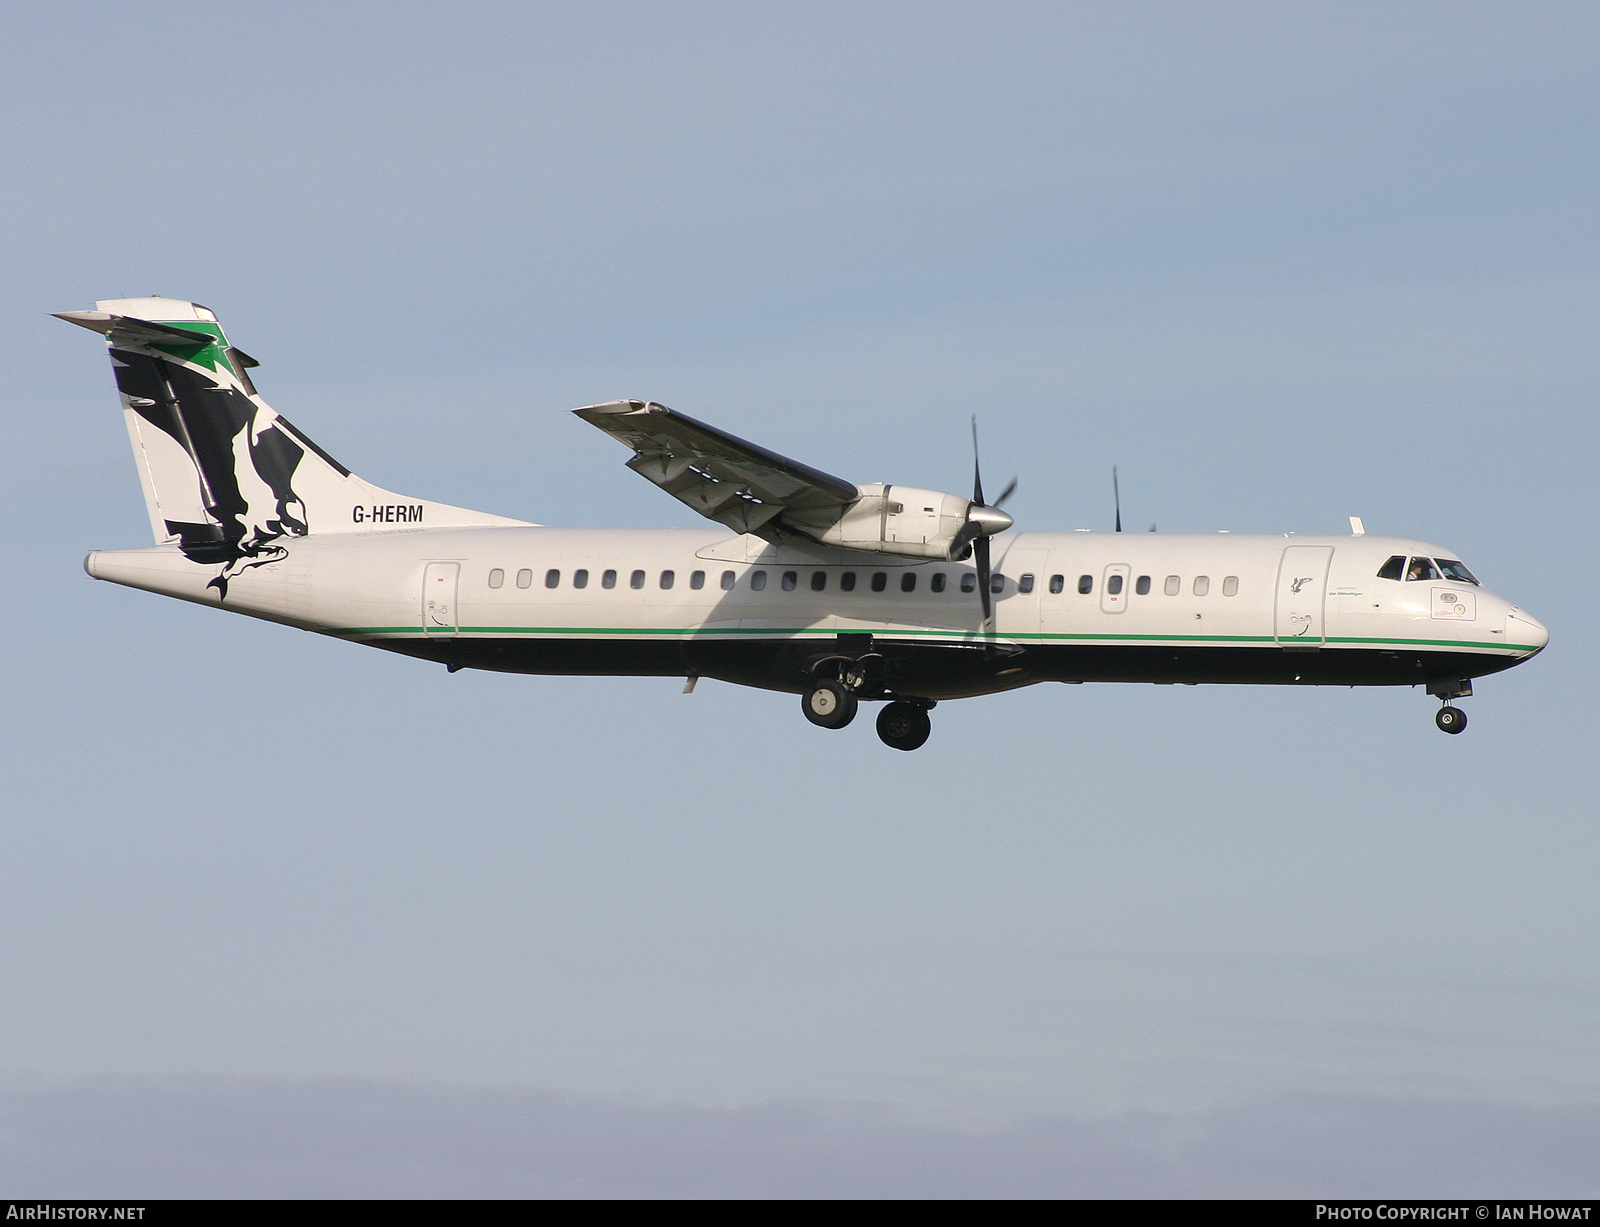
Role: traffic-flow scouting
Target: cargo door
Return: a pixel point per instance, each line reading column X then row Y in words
column 439, row 582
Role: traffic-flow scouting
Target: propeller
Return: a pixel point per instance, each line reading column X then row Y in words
column 984, row 520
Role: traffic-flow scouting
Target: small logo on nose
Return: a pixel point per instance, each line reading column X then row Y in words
column 1296, row 584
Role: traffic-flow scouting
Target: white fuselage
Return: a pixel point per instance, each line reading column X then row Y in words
column 1193, row 608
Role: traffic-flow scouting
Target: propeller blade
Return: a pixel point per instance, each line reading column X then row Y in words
column 980, row 554
column 977, row 472
column 1006, row 493
column 1116, row 497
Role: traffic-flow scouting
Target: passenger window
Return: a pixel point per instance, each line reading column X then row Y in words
column 880, row 581
column 524, row 578
column 1395, row 568
column 697, row 580
column 608, row 579
column 552, row 577
column 969, row 582
column 1172, row 586
column 997, row 583
column 908, row 581
column 790, row 579
column 1086, row 584
column 936, row 582
column 819, row 580
column 1422, row 568
column 1142, row 585
column 580, row 579
column 668, row 578
column 1058, row 584
column 1230, row 586
column 1457, row 573
column 636, row 580
column 1025, row 584
column 1114, row 585
column 728, row 580
column 496, row 577
column 1202, row 585
column 758, row 580
column 847, row 582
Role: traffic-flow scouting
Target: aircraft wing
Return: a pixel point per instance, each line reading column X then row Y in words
column 723, row 477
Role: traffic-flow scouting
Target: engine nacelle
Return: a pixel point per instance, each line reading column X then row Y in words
column 892, row 520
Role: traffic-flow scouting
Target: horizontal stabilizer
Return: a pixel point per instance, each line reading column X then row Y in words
column 122, row 327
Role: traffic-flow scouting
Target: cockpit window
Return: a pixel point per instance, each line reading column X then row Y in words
column 1422, row 568
column 1453, row 570
column 1394, row 568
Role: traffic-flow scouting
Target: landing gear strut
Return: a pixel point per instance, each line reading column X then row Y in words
column 828, row 704
column 858, row 673
column 904, row 726
column 1450, row 719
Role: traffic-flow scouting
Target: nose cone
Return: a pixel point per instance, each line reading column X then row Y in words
column 990, row 520
column 1523, row 630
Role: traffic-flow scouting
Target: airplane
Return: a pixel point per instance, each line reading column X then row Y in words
column 805, row 583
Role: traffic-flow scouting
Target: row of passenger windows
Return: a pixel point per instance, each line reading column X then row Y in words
column 1426, row 568
column 608, row 579
column 1171, row 586
column 879, row 581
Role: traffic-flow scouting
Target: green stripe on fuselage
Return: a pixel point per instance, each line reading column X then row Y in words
column 908, row 633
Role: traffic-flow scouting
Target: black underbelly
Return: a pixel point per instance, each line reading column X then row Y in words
column 932, row 671
column 1264, row 666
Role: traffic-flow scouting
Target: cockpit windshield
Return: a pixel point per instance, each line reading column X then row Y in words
column 1422, row 568
column 1453, row 570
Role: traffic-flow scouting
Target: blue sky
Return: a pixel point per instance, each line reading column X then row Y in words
column 1280, row 264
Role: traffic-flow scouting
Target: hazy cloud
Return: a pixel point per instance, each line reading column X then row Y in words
column 209, row 1137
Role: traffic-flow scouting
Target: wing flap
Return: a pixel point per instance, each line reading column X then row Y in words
column 739, row 484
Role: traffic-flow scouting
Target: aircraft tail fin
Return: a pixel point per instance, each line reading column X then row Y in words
column 226, row 478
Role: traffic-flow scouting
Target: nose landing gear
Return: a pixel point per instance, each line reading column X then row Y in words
column 1450, row 719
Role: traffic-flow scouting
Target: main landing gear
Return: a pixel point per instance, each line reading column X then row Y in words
column 828, row 704
column 903, row 724
column 1450, row 719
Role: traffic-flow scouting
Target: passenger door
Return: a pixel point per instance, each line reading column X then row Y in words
column 1298, row 620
